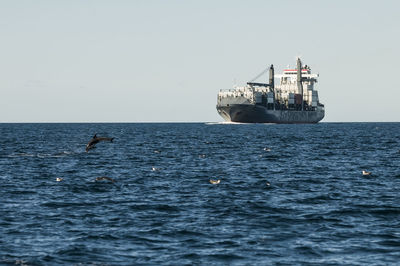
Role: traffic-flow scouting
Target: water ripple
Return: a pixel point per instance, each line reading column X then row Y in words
column 288, row 194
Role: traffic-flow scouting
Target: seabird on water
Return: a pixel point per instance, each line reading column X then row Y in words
column 214, row 182
column 365, row 173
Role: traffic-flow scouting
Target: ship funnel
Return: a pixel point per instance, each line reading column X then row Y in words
column 271, row 77
column 299, row 82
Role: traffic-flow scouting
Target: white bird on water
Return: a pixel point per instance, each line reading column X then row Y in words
column 59, row 179
column 214, row 182
column 365, row 173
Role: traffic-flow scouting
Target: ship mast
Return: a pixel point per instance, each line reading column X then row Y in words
column 271, row 81
column 299, row 82
column 271, row 77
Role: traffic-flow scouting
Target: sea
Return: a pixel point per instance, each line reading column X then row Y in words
column 287, row 194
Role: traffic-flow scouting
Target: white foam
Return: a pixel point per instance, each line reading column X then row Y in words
column 225, row 123
column 236, row 123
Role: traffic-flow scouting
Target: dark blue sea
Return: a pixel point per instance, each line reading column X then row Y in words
column 288, row 194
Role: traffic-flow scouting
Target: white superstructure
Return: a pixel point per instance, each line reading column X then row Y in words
column 288, row 87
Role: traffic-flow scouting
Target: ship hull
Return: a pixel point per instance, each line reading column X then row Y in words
column 246, row 113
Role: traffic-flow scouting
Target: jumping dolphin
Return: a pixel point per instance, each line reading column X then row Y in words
column 92, row 143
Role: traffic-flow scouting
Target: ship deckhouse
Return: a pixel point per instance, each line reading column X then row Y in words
column 289, row 88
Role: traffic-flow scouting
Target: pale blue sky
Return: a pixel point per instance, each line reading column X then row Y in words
column 164, row 61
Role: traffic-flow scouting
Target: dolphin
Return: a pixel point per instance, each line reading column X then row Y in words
column 92, row 143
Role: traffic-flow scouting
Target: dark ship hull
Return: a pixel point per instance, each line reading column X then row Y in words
column 246, row 113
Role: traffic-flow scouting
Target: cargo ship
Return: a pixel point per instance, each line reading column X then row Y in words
column 293, row 101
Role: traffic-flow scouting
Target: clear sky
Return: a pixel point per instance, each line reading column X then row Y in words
column 165, row 61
